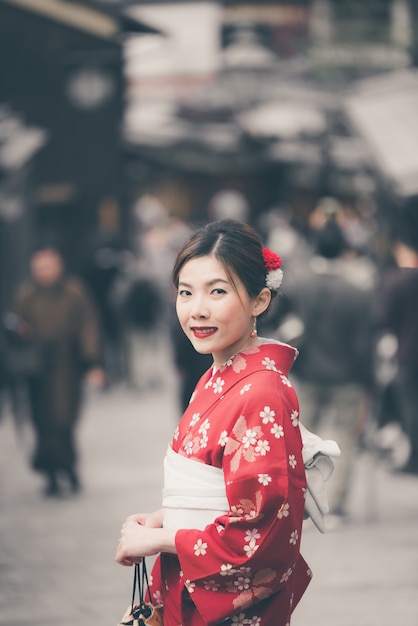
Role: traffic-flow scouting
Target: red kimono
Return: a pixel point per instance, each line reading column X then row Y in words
column 245, row 567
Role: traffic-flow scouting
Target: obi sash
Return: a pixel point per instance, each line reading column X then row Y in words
column 194, row 493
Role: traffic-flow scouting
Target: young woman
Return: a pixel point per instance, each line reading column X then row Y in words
column 228, row 534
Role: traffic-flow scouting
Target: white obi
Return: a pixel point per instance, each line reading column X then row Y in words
column 194, row 493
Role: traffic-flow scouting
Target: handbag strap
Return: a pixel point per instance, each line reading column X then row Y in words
column 140, row 580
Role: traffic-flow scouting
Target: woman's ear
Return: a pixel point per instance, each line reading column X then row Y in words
column 262, row 301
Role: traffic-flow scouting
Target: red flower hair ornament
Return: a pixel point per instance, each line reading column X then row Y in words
column 274, row 273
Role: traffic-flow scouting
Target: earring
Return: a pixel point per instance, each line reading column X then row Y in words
column 253, row 333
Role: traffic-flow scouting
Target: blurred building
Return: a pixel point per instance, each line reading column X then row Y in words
column 195, row 101
column 62, row 70
column 19, row 146
column 255, row 98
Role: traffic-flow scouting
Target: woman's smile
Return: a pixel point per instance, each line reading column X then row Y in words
column 202, row 332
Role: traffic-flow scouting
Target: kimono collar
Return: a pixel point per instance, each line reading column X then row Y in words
column 268, row 354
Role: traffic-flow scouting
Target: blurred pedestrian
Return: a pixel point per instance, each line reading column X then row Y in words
column 399, row 316
column 101, row 269
column 56, row 329
column 330, row 315
column 143, row 310
column 229, row 534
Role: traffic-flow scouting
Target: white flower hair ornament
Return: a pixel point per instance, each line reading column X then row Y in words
column 274, row 273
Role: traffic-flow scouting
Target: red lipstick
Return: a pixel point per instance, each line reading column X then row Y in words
column 203, row 332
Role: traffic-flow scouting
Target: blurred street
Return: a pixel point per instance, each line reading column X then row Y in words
column 126, row 124
column 56, row 554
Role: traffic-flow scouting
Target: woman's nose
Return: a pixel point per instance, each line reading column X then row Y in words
column 199, row 309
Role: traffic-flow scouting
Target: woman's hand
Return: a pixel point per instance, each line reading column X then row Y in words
column 142, row 535
column 150, row 520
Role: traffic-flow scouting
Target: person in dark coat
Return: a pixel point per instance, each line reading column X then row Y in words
column 399, row 314
column 334, row 370
column 55, row 316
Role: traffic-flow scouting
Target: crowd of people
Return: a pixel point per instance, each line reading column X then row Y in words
column 337, row 306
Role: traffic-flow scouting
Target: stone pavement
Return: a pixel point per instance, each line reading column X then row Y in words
column 56, row 555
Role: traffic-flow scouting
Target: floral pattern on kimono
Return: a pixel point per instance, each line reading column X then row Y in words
column 245, row 567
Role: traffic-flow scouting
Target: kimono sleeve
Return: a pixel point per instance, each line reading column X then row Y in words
column 250, row 554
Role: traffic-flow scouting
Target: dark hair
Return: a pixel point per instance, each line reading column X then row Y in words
column 233, row 243
column 330, row 241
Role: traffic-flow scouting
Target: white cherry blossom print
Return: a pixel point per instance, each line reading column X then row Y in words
column 239, row 620
column 242, row 583
column 226, row 569
column 254, row 621
column 195, row 419
column 241, row 443
column 252, row 535
column 236, row 511
column 262, row 447
column 204, row 441
column 292, row 461
column 284, row 510
column 277, row 431
column 285, row 380
column 250, row 438
column 286, row 575
column 188, row 448
column 218, row 385
column 157, row 596
column 200, row 547
column 267, row 415
column 250, row 549
column 245, row 389
column 223, row 438
column 176, row 433
column 264, row 479
column 204, row 427
column 190, row 586
column 294, row 537
column 294, row 416
column 269, row 364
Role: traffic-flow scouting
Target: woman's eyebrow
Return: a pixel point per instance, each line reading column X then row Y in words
column 210, row 283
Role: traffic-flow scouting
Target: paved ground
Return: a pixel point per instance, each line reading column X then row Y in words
column 56, row 556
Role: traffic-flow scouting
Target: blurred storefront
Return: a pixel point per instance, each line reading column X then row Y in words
column 19, row 146
column 62, row 70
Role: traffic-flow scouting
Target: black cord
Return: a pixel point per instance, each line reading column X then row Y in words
column 140, row 580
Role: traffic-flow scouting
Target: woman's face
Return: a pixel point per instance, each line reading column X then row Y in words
column 216, row 315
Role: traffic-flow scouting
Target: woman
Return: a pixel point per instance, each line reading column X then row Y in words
column 233, row 502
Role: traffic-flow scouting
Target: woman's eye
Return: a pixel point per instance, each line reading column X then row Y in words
column 184, row 292
column 218, row 291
